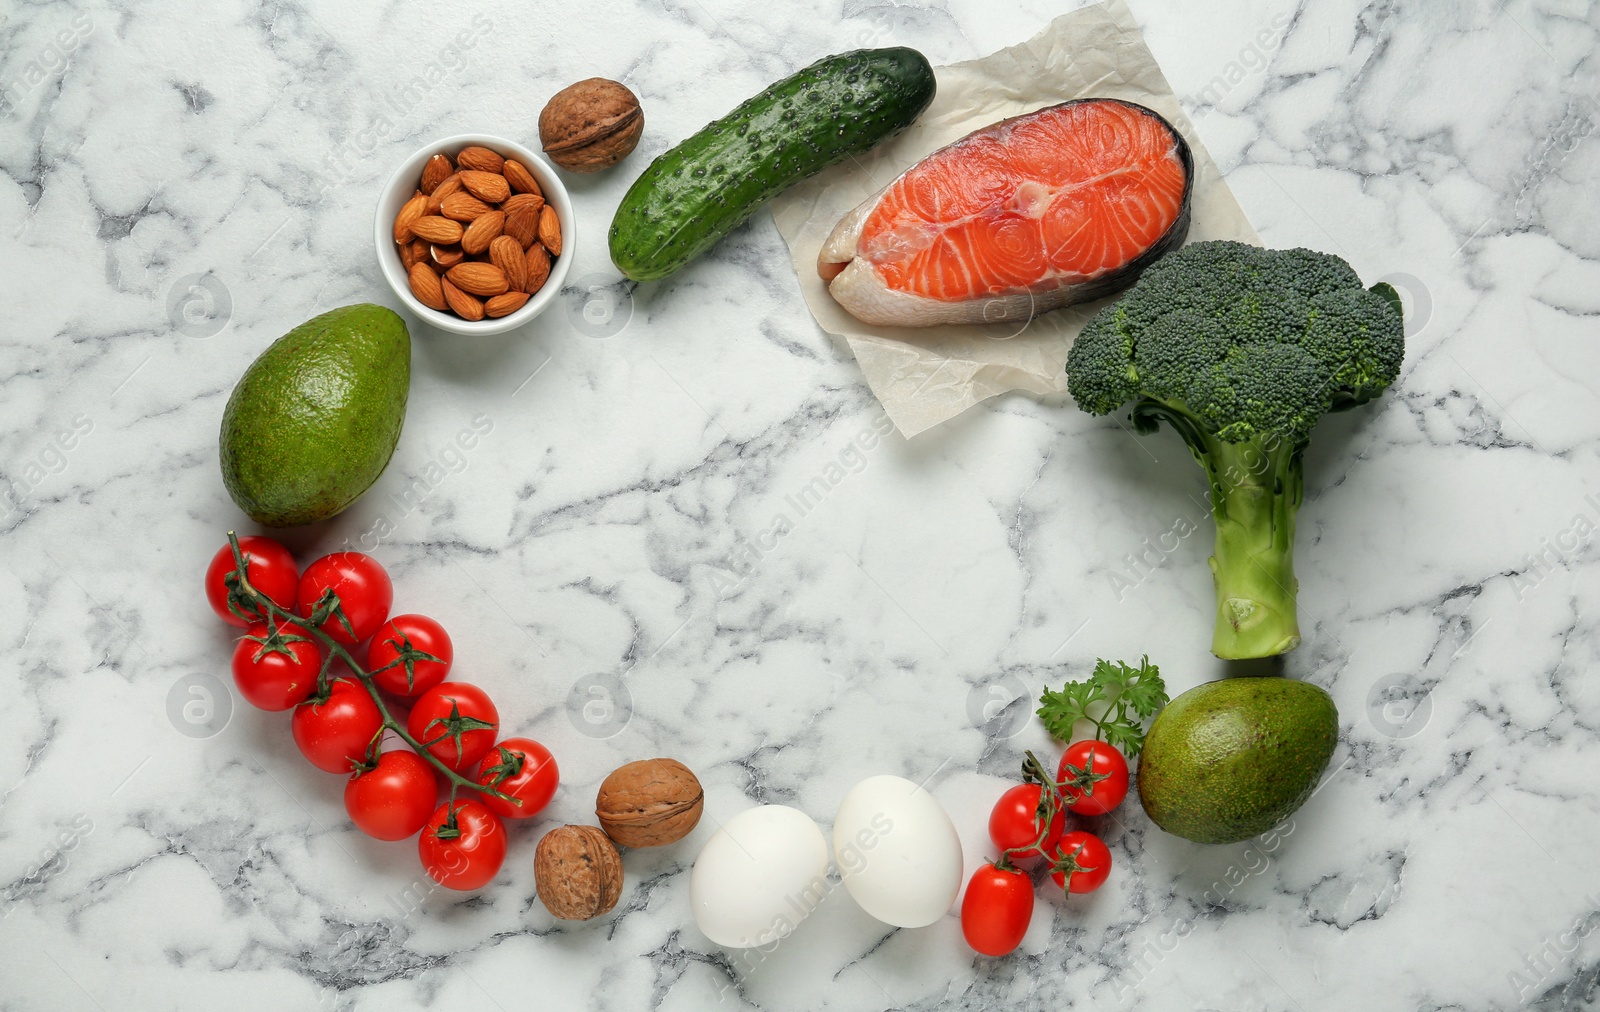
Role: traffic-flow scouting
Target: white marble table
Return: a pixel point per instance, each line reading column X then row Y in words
column 182, row 183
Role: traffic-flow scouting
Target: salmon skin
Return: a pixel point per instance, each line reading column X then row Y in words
column 1049, row 209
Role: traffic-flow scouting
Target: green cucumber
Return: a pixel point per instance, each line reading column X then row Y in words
column 705, row 187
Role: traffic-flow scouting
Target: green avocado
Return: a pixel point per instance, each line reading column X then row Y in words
column 316, row 417
column 1229, row 760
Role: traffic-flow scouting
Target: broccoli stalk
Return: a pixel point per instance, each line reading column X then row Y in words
column 1241, row 350
column 1253, row 564
column 1255, row 489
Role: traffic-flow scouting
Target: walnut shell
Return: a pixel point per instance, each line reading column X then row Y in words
column 591, row 125
column 649, row 803
column 577, row 872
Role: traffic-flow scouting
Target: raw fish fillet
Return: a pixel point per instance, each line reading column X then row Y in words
column 1056, row 207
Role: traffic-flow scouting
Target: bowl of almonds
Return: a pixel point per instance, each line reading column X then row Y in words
column 474, row 233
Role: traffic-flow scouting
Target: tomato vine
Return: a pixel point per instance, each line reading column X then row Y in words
column 241, row 592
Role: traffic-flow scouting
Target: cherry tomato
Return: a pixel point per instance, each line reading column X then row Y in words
column 996, row 909
column 276, row 666
column 268, row 566
column 392, row 800
column 1015, row 822
column 522, row 768
column 469, row 854
column 1094, row 777
column 411, row 676
column 363, row 588
column 336, row 734
column 456, row 722
column 1085, row 857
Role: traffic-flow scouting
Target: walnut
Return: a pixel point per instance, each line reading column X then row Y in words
column 649, row 803
column 591, row 125
column 578, row 872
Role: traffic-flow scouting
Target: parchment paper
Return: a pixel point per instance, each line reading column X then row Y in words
column 925, row 375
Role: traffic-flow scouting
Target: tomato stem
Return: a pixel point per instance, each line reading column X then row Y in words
column 1033, row 771
column 323, row 680
column 334, row 649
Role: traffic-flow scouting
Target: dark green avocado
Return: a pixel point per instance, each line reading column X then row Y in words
column 315, row 419
column 1229, row 760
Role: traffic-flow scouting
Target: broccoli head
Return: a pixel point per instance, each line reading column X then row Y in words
column 1241, row 350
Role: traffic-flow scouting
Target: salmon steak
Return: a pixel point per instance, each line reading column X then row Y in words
column 1053, row 208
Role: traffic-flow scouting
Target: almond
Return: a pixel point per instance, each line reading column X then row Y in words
column 522, row 225
column 520, row 178
column 413, row 252
column 550, row 230
column 505, row 303
column 479, row 158
column 451, row 184
column 435, row 172
column 462, row 304
column 506, row 254
column 462, row 207
column 482, row 231
column 445, row 256
column 410, row 211
column 538, row 268
column 425, row 285
column 439, row 231
column 517, row 200
column 476, row 278
column 490, row 186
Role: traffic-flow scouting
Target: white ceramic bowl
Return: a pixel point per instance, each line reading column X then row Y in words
column 403, row 184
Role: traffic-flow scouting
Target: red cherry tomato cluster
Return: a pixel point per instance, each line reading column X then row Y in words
column 297, row 624
column 1028, row 824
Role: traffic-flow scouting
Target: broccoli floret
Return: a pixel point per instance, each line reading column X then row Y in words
column 1241, row 350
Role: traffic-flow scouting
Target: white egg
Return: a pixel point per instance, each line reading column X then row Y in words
column 759, row 876
column 897, row 851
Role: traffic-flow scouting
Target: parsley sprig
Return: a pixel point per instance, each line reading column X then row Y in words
column 1117, row 699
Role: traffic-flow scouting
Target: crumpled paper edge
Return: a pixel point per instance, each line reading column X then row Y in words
column 925, row 376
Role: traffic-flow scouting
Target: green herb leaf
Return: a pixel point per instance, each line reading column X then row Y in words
column 1118, row 699
column 1061, row 709
column 1141, row 688
column 1127, row 740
